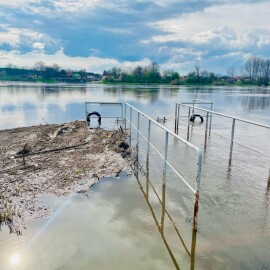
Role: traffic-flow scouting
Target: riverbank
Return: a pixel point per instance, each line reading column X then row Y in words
column 54, row 160
column 216, row 84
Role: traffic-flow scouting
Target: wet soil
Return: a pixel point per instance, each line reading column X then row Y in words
column 54, row 160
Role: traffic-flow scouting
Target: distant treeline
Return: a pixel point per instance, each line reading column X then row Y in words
column 256, row 71
column 42, row 73
column 147, row 74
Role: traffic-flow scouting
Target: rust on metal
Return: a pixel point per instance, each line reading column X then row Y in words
column 196, row 211
column 163, row 208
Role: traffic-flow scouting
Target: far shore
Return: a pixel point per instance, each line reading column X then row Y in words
column 135, row 83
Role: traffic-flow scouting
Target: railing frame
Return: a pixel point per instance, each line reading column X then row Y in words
column 166, row 164
column 194, row 102
column 209, row 114
column 105, row 103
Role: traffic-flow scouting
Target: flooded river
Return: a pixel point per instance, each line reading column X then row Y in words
column 111, row 226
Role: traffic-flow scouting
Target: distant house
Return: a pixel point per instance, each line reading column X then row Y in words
column 76, row 76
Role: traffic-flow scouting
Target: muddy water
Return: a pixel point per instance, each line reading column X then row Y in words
column 112, row 227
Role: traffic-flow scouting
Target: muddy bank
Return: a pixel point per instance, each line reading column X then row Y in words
column 54, row 159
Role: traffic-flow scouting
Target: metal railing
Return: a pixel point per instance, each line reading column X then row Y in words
column 166, row 164
column 208, row 128
column 194, row 102
column 119, row 117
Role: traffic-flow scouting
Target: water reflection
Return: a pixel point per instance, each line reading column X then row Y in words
column 161, row 225
column 24, row 104
column 109, row 228
column 254, row 101
column 144, row 176
column 115, row 221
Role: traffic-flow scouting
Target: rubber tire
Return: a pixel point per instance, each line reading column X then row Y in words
column 94, row 113
column 192, row 118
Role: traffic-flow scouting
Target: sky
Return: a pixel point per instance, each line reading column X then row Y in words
column 98, row 35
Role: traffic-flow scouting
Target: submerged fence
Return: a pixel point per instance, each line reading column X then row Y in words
column 208, row 126
column 138, row 115
column 104, row 110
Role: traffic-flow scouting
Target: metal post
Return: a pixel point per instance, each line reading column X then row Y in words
column 178, row 115
column 164, row 181
column 232, row 138
column 175, row 118
column 138, row 138
column 125, row 123
column 122, row 112
column 165, row 157
column 148, row 138
column 138, row 127
column 130, row 125
column 188, row 123
column 85, row 104
column 196, row 209
column 206, row 130
column 147, row 158
column 210, row 125
column 197, row 189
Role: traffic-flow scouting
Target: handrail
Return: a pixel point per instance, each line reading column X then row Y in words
column 166, row 164
column 227, row 116
column 164, row 128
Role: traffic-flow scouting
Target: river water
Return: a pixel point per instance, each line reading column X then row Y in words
column 111, row 227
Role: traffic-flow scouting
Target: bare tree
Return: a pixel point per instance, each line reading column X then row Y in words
column 154, row 67
column 231, row 71
column 205, row 74
column 41, row 67
column 9, row 65
column 56, row 67
column 252, row 68
column 265, row 71
column 256, row 67
column 197, row 71
column 247, row 70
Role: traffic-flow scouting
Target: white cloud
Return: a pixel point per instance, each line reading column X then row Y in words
column 194, row 31
column 17, row 2
column 239, row 17
column 38, row 45
column 90, row 63
column 13, row 36
column 54, row 7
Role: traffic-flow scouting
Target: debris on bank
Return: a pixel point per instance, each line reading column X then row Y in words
column 54, row 159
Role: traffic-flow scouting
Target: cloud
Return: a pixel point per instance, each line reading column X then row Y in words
column 239, row 17
column 25, row 40
column 208, row 35
column 172, row 32
column 39, row 46
column 90, row 63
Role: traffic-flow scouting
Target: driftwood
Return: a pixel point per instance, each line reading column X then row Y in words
column 53, row 150
column 57, row 132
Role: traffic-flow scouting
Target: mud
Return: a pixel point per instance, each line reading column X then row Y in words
column 54, row 160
